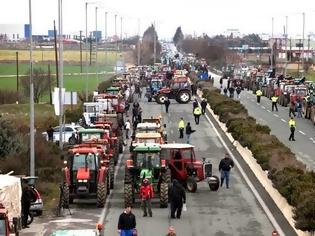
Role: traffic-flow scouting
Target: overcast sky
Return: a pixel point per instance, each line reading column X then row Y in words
column 199, row 16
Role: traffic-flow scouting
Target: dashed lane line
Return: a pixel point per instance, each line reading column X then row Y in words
column 268, row 110
column 276, row 115
column 283, row 120
column 263, row 107
column 302, row 132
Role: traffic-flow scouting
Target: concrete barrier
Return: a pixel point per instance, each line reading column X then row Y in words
column 280, row 201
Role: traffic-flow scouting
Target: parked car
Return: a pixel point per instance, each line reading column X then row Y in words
column 69, row 132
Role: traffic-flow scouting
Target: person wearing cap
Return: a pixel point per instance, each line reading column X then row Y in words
column 146, row 193
column 225, row 166
column 171, row 231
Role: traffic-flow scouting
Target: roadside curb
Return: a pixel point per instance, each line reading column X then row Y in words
column 260, row 174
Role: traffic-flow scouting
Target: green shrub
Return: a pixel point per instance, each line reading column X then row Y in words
column 75, row 114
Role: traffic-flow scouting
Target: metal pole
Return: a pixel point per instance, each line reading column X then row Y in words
column 154, row 45
column 17, row 78
column 303, row 44
column 86, row 55
column 272, row 43
column 106, row 62
column 116, row 44
column 56, row 55
column 60, row 74
column 49, row 81
column 139, row 43
column 96, row 38
column 286, row 43
column 81, row 69
column 32, row 129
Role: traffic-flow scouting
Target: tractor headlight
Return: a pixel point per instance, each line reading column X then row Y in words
column 82, row 181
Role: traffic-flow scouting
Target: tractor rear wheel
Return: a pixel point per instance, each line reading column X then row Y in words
column 191, row 184
column 183, row 97
column 128, row 194
column 65, row 196
column 101, row 194
column 163, row 195
column 161, row 98
column 111, row 173
column 166, row 177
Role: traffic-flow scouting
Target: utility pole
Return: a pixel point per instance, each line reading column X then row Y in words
column 106, row 62
column 56, row 55
column 286, row 42
column 81, row 69
column 49, row 81
column 116, row 43
column 60, row 75
column 96, row 39
column 86, row 56
column 272, row 52
column 303, row 44
column 90, row 48
column 17, row 78
column 308, row 46
column 32, row 129
column 139, row 43
column 154, row 45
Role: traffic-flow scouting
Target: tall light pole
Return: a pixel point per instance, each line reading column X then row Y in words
column 139, row 43
column 105, row 39
column 60, row 74
column 286, row 44
column 32, row 130
column 272, row 52
column 96, row 39
column 116, row 43
column 154, row 45
column 303, row 44
column 86, row 55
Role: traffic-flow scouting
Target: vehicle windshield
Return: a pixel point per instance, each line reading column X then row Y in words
column 90, row 109
column 2, row 228
column 84, row 160
column 147, row 140
column 90, row 136
column 147, row 130
column 156, row 84
column 148, row 160
column 301, row 91
column 186, row 153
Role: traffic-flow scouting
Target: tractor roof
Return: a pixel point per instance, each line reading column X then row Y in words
column 149, row 147
column 91, row 131
column 176, row 146
column 81, row 232
column 148, row 135
column 148, row 125
column 85, row 150
column 111, row 88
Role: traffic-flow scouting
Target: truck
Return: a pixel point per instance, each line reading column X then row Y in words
column 10, row 205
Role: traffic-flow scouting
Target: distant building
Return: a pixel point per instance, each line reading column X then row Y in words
column 12, row 32
column 233, row 33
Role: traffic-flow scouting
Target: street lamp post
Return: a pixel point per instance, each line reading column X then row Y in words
column 286, row 44
column 272, row 52
column 32, row 129
column 60, row 74
column 139, row 44
column 303, row 44
column 105, row 39
column 96, row 39
column 154, row 45
column 116, row 43
column 86, row 55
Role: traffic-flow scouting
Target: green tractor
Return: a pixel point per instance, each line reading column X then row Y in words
column 145, row 162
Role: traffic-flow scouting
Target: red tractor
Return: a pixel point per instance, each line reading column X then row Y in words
column 85, row 175
column 178, row 89
column 185, row 168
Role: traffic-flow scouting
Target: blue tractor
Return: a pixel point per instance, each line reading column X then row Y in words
column 154, row 86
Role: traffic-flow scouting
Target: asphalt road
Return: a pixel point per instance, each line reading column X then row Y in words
column 233, row 211
column 303, row 147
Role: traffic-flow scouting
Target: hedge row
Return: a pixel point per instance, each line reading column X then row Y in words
column 289, row 176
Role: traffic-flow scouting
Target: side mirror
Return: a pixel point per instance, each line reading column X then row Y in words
column 203, row 159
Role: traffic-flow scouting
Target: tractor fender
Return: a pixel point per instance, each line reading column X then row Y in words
column 66, row 175
column 102, row 172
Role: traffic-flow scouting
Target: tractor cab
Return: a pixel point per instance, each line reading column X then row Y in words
column 113, row 90
column 148, row 128
column 154, row 86
column 145, row 162
column 183, row 165
column 89, row 134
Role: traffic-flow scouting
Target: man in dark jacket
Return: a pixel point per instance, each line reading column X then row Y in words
column 195, row 104
column 203, row 106
column 177, row 198
column 50, row 133
column 224, row 167
column 126, row 222
column 189, row 131
column 167, row 104
column 27, row 198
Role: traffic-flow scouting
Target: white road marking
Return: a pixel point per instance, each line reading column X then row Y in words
column 71, row 220
column 276, row 115
column 268, row 110
column 247, row 180
column 301, row 132
column 263, row 107
column 283, row 120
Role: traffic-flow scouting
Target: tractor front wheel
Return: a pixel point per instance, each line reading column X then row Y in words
column 101, row 194
column 128, row 194
column 214, row 183
column 111, row 173
column 163, row 195
column 161, row 98
column 183, row 97
column 191, row 184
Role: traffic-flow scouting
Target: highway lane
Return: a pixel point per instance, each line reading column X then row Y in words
column 303, row 147
column 233, row 211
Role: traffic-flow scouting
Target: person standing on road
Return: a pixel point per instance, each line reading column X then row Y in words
column 167, row 104
column 27, row 198
column 225, row 91
column 299, row 108
column 203, row 106
column 225, row 167
column 181, row 127
column 274, row 100
column 50, row 133
column 127, row 128
column 197, row 114
column 258, row 95
column 146, row 193
column 195, row 104
column 238, row 91
column 231, row 92
column 126, row 222
column 292, row 125
column 189, row 131
column 221, row 82
column 292, row 109
column 177, row 198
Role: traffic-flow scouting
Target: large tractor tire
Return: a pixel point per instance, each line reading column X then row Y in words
column 128, row 196
column 191, row 184
column 214, row 183
column 163, row 195
column 65, row 196
column 111, row 173
column 183, row 97
column 101, row 194
column 161, row 98
column 166, row 177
